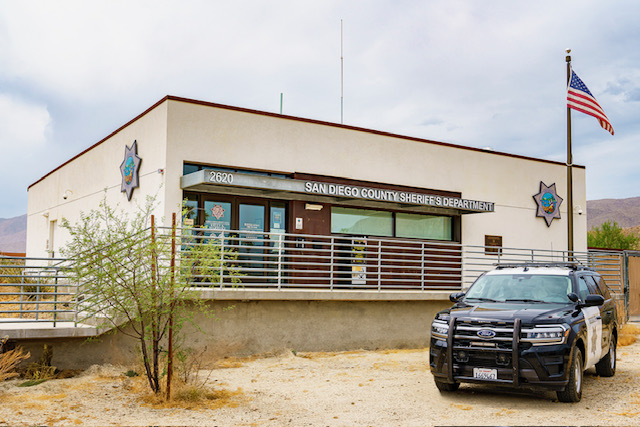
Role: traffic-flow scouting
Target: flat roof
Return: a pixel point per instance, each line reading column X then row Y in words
column 300, row 119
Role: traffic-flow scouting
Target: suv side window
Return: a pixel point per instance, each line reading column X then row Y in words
column 593, row 288
column 583, row 289
column 604, row 289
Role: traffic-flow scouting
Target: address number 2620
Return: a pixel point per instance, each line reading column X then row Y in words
column 221, row 177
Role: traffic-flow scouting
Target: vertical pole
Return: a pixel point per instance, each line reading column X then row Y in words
column 280, row 248
column 380, row 265
column 341, row 78
column 221, row 279
column 154, row 322
column 569, row 170
column 422, row 268
column 281, row 99
column 331, row 266
column 173, row 306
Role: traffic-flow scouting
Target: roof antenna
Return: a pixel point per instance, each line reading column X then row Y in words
column 341, row 78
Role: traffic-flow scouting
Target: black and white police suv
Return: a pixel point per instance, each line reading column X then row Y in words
column 527, row 326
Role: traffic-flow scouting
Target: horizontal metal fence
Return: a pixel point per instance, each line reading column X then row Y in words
column 478, row 259
column 35, row 289
column 298, row 261
column 38, row 289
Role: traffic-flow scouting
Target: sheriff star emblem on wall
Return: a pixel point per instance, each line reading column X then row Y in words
column 130, row 169
column 548, row 203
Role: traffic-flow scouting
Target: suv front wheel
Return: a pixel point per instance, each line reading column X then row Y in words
column 573, row 391
column 442, row 386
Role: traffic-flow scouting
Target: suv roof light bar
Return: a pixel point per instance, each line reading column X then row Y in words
column 575, row 265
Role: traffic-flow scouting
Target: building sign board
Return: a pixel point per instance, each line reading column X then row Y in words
column 236, row 179
column 383, row 195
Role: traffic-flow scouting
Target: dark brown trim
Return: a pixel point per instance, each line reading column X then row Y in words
column 300, row 119
column 13, row 254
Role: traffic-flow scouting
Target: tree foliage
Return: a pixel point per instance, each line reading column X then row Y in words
column 611, row 236
column 129, row 282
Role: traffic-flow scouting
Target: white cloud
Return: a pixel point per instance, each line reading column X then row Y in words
column 23, row 125
column 467, row 72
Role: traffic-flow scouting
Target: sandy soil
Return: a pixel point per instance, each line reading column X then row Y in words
column 378, row 388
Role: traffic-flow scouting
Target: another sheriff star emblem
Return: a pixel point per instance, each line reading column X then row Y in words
column 548, row 203
column 130, row 169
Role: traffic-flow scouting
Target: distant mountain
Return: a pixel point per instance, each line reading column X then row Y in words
column 626, row 212
column 13, row 234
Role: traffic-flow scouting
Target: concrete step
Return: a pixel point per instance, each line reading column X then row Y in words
column 26, row 329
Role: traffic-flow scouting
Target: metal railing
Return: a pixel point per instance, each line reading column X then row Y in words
column 34, row 290
column 299, row 261
column 478, row 259
column 39, row 289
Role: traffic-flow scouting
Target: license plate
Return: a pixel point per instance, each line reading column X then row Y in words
column 485, row 374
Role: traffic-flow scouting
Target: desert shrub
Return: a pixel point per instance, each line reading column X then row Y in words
column 41, row 370
column 628, row 334
column 9, row 362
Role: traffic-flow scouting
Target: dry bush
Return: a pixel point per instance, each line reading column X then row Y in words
column 628, row 334
column 9, row 361
column 42, row 369
column 196, row 397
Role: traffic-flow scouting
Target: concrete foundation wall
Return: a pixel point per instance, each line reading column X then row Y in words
column 255, row 327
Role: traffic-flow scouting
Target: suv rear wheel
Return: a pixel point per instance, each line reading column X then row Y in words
column 606, row 367
column 573, row 391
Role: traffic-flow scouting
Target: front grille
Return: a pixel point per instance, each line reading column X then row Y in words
column 485, row 344
column 466, row 335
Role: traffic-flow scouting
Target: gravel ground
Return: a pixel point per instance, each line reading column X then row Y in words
column 364, row 388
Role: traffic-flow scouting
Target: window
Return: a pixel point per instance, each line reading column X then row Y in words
column 224, row 212
column 423, row 226
column 368, row 222
column 604, row 289
column 188, row 168
column 362, row 222
column 583, row 289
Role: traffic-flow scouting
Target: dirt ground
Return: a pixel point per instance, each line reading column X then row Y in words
column 364, row 388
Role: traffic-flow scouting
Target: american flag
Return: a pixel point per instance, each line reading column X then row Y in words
column 579, row 98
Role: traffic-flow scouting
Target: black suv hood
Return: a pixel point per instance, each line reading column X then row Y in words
column 527, row 313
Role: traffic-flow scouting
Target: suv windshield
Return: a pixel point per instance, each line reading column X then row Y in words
column 520, row 287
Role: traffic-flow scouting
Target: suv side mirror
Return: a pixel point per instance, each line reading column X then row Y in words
column 593, row 300
column 573, row 297
column 455, row 297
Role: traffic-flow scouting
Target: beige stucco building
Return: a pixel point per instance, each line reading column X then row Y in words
column 177, row 137
column 377, row 225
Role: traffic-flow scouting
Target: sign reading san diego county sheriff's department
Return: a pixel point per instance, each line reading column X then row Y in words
column 235, row 179
column 379, row 194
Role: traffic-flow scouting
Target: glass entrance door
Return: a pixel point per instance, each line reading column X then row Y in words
column 251, row 228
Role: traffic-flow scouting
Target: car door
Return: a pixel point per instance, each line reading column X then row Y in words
column 593, row 323
column 607, row 310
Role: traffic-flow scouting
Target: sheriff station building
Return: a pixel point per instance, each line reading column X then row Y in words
column 341, row 186
column 274, row 172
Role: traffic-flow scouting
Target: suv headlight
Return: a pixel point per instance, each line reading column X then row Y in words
column 439, row 329
column 545, row 334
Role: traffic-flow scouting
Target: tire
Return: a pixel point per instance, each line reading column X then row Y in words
column 606, row 367
column 573, row 391
column 442, row 386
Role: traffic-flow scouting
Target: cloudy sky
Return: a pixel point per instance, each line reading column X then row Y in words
column 474, row 73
